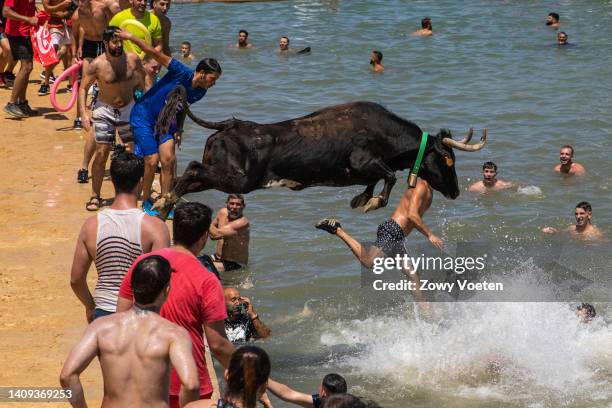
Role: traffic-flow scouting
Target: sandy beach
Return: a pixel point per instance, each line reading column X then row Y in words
column 40, row 318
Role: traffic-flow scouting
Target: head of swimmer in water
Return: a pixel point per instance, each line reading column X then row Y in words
column 552, row 18
column 583, row 214
column 206, row 73
column 562, row 38
column 426, row 24
column 489, row 172
column 586, row 312
column 112, row 43
column 243, row 36
column 376, row 57
column 160, row 6
column 283, row 43
column 235, row 206
column 566, row 154
column 185, row 49
column 332, row 384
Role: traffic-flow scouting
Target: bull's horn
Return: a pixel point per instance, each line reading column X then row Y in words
column 205, row 123
column 468, row 137
column 464, row 146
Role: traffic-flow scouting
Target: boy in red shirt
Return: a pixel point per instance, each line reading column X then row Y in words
column 196, row 299
column 20, row 17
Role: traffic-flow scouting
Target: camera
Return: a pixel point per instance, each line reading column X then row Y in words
column 241, row 308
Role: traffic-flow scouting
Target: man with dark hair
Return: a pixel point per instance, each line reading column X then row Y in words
column 156, row 147
column 20, row 17
column 552, row 20
column 586, row 312
column 136, row 348
column 331, row 384
column 243, row 40
column 160, row 9
column 231, row 230
column 186, row 54
column 489, row 180
column 376, row 61
column 426, row 28
column 119, row 75
column 568, row 166
column 583, row 229
column 113, row 238
column 283, row 44
column 196, row 300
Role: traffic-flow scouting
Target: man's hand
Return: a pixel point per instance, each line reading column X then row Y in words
column 549, row 230
column 86, row 121
column 250, row 309
column 124, row 34
column 89, row 314
column 435, row 241
column 33, row 21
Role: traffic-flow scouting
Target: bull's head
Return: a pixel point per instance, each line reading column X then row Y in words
column 439, row 164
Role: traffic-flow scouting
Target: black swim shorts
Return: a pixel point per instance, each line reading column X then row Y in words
column 21, row 47
column 91, row 49
column 227, row 265
column 390, row 237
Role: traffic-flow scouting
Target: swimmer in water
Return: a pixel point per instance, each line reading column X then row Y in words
column 186, row 54
column 283, row 47
column 586, row 312
column 583, row 229
column 562, row 38
column 568, row 166
column 426, row 28
column 489, row 180
column 375, row 60
column 552, row 20
column 331, row 384
column 243, row 40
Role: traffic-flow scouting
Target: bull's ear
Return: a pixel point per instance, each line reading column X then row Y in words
column 448, row 160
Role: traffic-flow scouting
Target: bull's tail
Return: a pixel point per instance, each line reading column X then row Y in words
column 176, row 107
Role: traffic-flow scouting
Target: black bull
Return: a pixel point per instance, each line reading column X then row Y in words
column 343, row 145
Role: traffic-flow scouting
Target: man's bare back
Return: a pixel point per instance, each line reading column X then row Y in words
column 136, row 349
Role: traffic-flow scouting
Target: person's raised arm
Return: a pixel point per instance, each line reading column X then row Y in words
column 290, row 395
column 157, row 55
column 89, row 78
column 54, row 9
column 77, row 361
column 75, row 45
column 78, row 273
column 182, row 360
column 261, row 330
column 228, row 230
column 219, row 345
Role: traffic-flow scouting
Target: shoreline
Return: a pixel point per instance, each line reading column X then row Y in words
column 40, row 317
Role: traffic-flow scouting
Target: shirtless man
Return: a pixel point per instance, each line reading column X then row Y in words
column 583, row 229
column 160, row 9
column 283, row 47
column 552, row 20
column 186, row 54
column 136, row 348
column 231, row 229
column 118, row 75
column 489, row 180
column 426, row 28
column 375, row 61
column 88, row 23
column 568, row 166
column 243, row 40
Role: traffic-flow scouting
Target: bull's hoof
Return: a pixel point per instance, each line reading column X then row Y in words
column 360, row 200
column 165, row 204
column 374, row 203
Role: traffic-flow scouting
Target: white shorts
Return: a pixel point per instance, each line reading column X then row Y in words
column 107, row 120
column 60, row 36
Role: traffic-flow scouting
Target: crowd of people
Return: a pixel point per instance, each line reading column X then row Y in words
column 159, row 301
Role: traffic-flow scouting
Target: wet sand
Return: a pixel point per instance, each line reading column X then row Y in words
column 44, row 208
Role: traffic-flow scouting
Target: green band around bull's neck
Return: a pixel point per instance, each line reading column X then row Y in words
column 419, row 159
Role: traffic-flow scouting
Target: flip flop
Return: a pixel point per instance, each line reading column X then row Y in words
column 93, row 204
column 328, row 225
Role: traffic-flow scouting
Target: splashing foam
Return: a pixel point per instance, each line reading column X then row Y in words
column 527, row 352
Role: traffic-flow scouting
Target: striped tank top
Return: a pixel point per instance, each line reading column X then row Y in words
column 117, row 246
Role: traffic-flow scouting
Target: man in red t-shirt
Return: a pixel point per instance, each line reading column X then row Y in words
column 20, row 17
column 196, row 299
